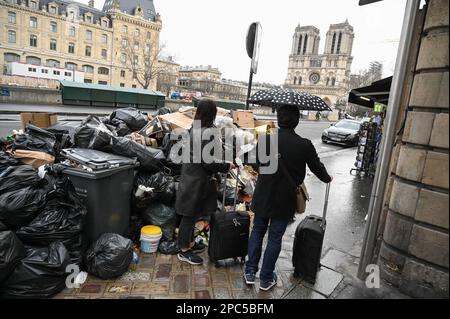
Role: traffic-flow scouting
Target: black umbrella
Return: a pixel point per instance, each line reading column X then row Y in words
column 276, row 98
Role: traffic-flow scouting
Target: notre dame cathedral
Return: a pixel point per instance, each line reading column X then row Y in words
column 326, row 75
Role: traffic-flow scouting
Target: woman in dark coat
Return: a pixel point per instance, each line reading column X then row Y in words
column 197, row 193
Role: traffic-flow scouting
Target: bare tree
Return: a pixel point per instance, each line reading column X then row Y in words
column 143, row 60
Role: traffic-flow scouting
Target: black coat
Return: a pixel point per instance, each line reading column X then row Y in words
column 274, row 196
column 197, row 192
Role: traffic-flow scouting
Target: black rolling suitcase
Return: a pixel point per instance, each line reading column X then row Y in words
column 308, row 244
column 229, row 232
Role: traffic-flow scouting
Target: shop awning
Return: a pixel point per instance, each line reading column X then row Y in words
column 367, row 96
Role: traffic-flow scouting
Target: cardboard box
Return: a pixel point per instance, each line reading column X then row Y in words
column 177, row 120
column 244, row 119
column 269, row 123
column 43, row 120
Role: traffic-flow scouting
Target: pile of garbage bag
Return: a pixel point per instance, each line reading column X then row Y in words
column 43, row 218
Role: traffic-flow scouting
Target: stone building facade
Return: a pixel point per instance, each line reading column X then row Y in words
column 326, row 75
column 75, row 36
column 414, row 231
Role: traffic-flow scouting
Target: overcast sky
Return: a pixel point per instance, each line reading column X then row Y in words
column 212, row 32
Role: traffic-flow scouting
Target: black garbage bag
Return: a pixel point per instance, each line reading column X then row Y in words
column 11, row 253
column 163, row 111
column 151, row 159
column 6, row 160
column 163, row 187
column 36, row 139
column 93, row 134
column 168, row 248
column 19, row 207
column 19, row 177
column 134, row 118
column 163, row 216
column 62, row 219
column 3, row 227
column 41, row 274
column 120, row 127
column 109, row 257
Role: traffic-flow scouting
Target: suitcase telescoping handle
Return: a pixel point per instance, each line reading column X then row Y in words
column 325, row 205
column 235, row 190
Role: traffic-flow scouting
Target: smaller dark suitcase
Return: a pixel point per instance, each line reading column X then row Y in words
column 229, row 233
column 308, row 244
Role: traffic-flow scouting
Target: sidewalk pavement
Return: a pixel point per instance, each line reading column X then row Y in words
column 165, row 277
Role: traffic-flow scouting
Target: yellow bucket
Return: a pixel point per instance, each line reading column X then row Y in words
column 151, row 230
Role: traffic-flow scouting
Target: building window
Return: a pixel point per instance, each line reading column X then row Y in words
column 125, row 29
column 53, row 63
column 124, row 43
column 149, row 35
column 53, row 44
column 33, row 22
column 88, row 35
column 133, row 86
column 333, row 43
column 103, row 71
column 88, row 51
column 12, row 37
column 123, row 58
column 53, row 27
column 56, row 72
column 88, row 18
column 33, row 5
column 136, row 59
column 88, row 68
column 338, row 50
column 147, row 48
column 33, row 41
column 122, row 74
column 299, row 80
column 72, row 31
column 299, row 47
column 33, row 60
column 31, row 69
column 305, row 44
column 44, row 71
column 71, row 15
column 333, row 81
column 71, row 48
column 67, row 73
column 122, row 85
column 137, row 32
column 102, row 82
column 295, row 80
column 11, row 57
column 87, row 81
column 104, row 38
column 53, row 10
column 105, row 23
column 12, row 17
column 71, row 66
column 104, row 54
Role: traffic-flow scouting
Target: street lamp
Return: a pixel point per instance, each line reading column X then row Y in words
column 253, row 42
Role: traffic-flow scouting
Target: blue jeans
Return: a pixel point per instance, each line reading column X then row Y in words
column 277, row 228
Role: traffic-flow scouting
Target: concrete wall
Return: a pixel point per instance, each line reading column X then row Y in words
column 27, row 95
column 414, row 253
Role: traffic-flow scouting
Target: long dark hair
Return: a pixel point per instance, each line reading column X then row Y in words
column 206, row 112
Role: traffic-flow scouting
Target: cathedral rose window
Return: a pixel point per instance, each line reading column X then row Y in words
column 314, row 78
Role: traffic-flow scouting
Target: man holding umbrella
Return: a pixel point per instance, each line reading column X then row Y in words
column 274, row 199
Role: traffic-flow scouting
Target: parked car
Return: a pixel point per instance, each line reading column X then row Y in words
column 344, row 132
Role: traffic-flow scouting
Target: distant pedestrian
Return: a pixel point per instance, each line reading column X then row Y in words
column 274, row 199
